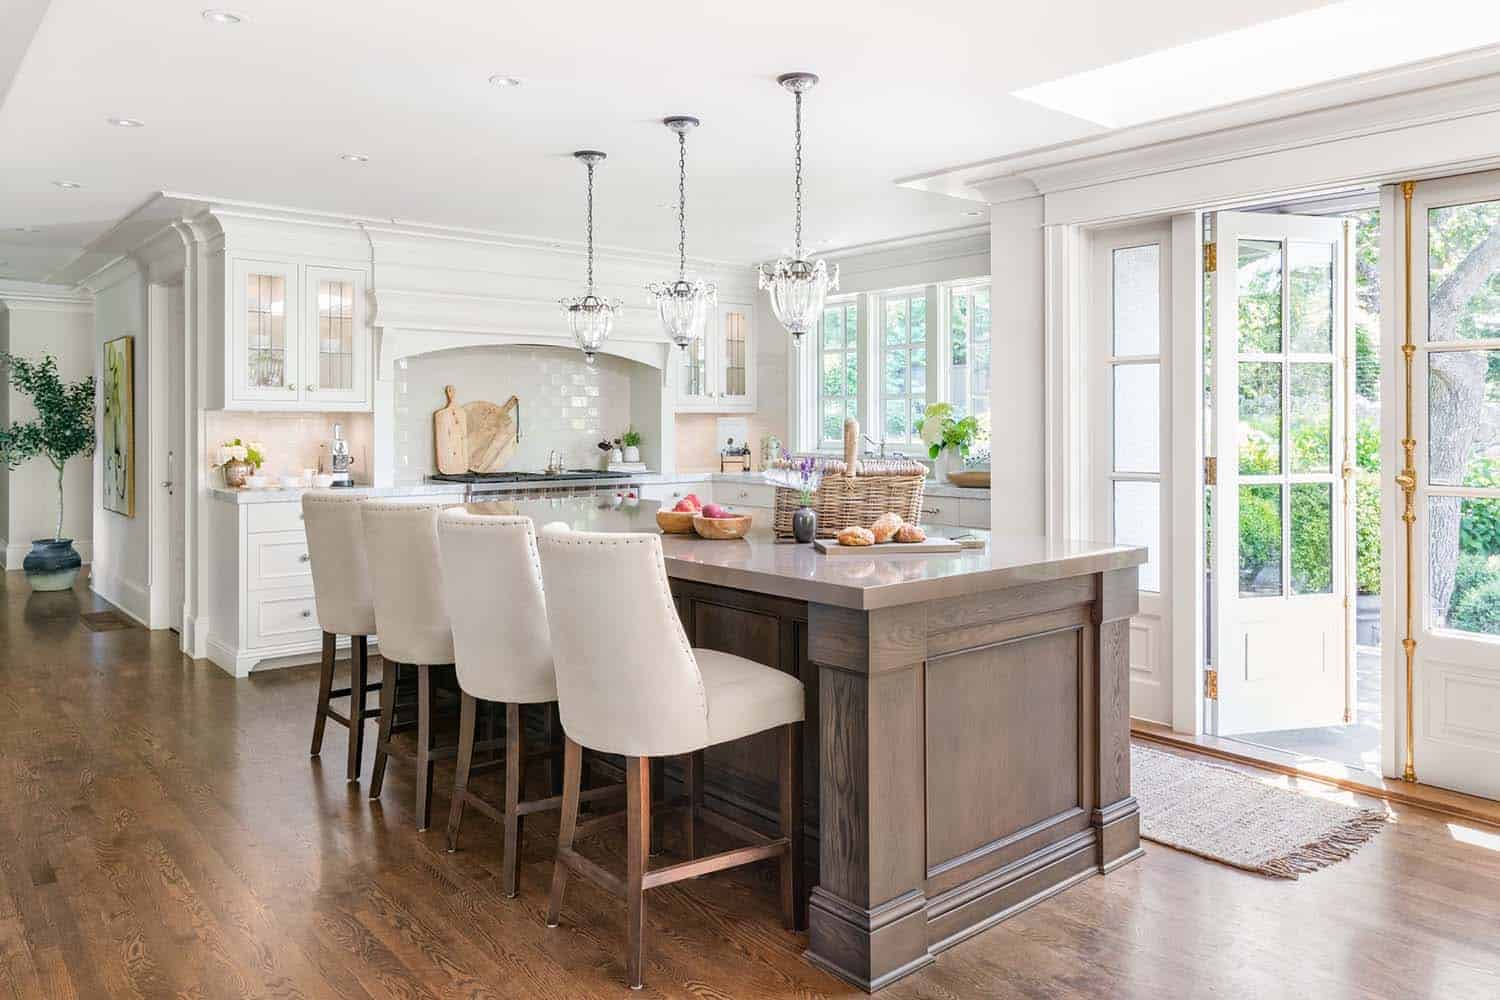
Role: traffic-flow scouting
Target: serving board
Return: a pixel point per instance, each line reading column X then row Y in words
column 450, row 437
column 933, row 545
column 492, row 433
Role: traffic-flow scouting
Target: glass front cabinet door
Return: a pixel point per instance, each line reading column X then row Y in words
column 716, row 374
column 296, row 337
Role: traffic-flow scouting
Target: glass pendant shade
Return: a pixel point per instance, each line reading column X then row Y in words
column 798, row 287
column 590, row 317
column 683, row 305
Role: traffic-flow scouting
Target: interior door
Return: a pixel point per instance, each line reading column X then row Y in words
column 1279, row 535
column 1454, row 397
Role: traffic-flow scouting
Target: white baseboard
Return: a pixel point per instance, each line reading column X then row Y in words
column 240, row 663
column 130, row 597
column 13, row 554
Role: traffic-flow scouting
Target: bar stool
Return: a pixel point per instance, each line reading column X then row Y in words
column 492, row 583
column 628, row 683
column 407, row 586
column 341, row 590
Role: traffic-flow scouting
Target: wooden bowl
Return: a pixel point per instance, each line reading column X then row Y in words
column 675, row 522
column 721, row 528
column 976, row 477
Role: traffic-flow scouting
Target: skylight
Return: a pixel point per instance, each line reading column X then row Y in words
column 1329, row 43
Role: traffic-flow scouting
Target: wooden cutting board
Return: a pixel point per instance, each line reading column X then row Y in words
column 492, row 433
column 933, row 546
column 450, row 437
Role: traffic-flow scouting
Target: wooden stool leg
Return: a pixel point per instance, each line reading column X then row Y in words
column 425, row 743
column 515, row 778
column 468, row 709
column 553, row 729
column 566, row 825
column 325, row 685
column 637, row 846
column 658, row 780
column 359, row 675
column 692, row 780
column 388, row 672
column 793, row 894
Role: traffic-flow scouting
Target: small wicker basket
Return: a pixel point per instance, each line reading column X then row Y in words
column 855, row 492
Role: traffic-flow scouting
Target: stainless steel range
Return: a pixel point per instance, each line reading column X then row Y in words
column 538, row 485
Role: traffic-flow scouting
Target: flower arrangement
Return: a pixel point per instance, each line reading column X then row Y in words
column 802, row 474
column 251, row 452
column 939, row 430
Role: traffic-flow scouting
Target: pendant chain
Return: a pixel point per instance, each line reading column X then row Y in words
column 797, row 199
column 681, row 206
column 591, row 227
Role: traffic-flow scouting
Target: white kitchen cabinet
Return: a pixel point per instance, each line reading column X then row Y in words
column 294, row 336
column 717, row 373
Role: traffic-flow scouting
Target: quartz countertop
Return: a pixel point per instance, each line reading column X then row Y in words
column 887, row 577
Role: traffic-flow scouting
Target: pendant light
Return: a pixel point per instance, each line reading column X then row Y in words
column 683, row 305
column 590, row 317
column 798, row 286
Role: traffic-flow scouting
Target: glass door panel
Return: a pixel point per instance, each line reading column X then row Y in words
column 265, row 338
column 734, row 355
column 266, row 331
column 337, row 366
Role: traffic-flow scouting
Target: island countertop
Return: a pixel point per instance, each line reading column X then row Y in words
column 885, row 578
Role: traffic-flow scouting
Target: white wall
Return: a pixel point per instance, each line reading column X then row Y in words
column 28, row 495
column 566, row 404
column 122, row 557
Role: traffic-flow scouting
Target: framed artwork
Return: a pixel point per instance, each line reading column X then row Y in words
column 119, row 426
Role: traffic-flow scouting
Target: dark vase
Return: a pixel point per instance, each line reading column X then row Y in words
column 804, row 524
column 52, row 564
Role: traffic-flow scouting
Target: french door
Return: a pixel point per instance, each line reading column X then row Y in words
column 1452, row 262
column 1280, row 538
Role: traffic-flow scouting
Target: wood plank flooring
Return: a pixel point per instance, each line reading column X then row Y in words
column 164, row 834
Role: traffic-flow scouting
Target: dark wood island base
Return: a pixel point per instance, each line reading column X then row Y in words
column 972, row 754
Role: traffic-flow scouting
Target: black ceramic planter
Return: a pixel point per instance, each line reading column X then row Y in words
column 52, row 564
column 804, row 524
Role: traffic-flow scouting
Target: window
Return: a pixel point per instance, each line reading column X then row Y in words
column 903, row 364
column 969, row 349
column 1134, row 360
column 838, row 372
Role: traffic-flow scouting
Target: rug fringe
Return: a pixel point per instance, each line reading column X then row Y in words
column 1338, row 844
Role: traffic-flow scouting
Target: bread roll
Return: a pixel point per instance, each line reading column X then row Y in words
column 910, row 533
column 855, row 535
column 885, row 527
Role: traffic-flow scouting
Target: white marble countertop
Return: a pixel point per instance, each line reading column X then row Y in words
column 287, row 496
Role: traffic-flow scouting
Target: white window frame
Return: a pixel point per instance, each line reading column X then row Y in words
column 948, row 292
column 927, row 295
column 842, row 304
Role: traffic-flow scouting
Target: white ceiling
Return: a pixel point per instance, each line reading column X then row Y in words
column 260, row 111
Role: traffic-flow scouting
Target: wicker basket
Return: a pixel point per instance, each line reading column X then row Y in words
column 844, row 497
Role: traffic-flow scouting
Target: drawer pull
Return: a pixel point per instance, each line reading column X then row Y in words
column 929, row 511
column 304, row 557
column 306, row 613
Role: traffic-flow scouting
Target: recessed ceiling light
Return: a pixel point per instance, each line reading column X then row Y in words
column 27, row 229
column 68, row 185
column 126, row 122
column 221, row 17
column 501, row 80
column 354, row 157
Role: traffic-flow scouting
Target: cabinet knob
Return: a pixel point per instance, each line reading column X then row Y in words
column 312, row 388
column 932, row 510
column 304, row 557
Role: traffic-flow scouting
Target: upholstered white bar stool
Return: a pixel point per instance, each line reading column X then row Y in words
column 341, row 590
column 401, row 549
column 628, row 683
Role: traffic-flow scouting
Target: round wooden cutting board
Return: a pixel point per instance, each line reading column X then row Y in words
column 492, row 433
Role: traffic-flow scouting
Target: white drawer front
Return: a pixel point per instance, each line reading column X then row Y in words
column 283, row 617
column 274, row 516
column 940, row 510
column 277, row 559
column 738, row 495
column 667, row 494
column 974, row 514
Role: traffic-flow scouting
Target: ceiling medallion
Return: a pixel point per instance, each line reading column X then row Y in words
column 683, row 305
column 590, row 317
column 798, row 286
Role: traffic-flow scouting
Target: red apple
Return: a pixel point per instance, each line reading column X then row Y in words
column 685, row 506
column 714, row 511
column 692, row 498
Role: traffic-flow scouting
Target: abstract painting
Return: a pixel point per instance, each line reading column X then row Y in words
column 119, row 426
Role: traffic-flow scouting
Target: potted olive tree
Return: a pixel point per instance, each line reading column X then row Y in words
column 62, row 429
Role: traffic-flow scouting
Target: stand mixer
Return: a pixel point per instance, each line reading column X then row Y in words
column 339, row 458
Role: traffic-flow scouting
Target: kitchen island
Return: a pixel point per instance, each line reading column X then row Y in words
column 967, row 738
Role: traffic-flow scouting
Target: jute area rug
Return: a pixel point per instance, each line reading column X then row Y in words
column 1230, row 816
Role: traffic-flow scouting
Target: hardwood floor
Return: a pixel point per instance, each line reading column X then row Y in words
column 163, row 833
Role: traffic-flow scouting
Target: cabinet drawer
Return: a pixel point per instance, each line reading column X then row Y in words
column 668, row 494
column 743, row 495
column 282, row 617
column 940, row 510
column 276, row 559
column 274, row 516
column 974, row 514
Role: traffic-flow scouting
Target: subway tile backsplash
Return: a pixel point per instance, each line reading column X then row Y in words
column 294, row 441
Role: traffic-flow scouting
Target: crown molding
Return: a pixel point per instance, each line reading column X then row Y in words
column 17, row 295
